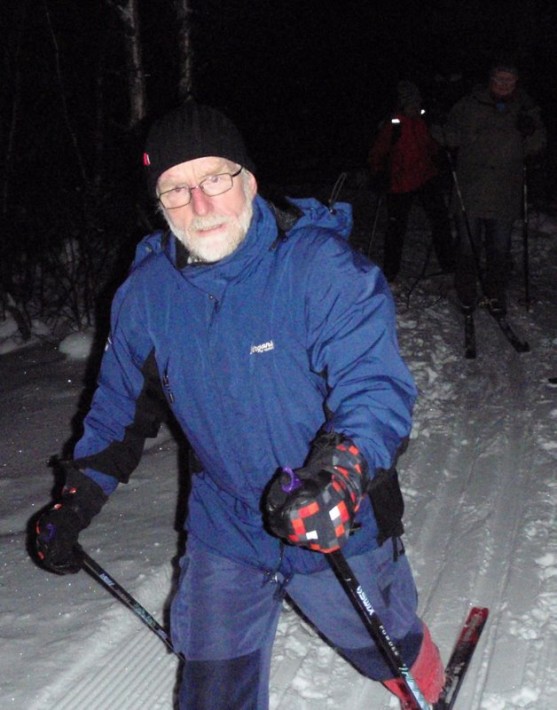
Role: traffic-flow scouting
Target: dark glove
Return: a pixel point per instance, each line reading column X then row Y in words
column 59, row 527
column 314, row 506
column 525, row 125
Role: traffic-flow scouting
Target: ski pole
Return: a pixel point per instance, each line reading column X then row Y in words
column 116, row 589
column 379, row 204
column 374, row 625
column 525, row 257
column 366, row 611
column 474, row 248
column 466, row 220
column 335, row 192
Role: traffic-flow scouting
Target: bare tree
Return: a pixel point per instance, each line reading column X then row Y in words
column 12, row 66
column 185, row 66
column 64, row 93
column 128, row 12
column 58, row 253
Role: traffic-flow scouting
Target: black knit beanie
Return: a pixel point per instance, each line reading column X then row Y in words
column 189, row 132
column 509, row 68
column 504, row 62
column 408, row 94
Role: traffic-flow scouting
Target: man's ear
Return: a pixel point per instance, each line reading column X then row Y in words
column 251, row 182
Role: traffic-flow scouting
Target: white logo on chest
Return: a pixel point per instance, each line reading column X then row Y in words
column 263, row 348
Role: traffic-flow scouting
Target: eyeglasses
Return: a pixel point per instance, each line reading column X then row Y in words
column 214, row 185
column 500, row 81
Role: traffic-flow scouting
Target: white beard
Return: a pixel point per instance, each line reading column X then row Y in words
column 213, row 248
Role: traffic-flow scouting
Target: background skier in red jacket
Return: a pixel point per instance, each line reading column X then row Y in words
column 405, row 154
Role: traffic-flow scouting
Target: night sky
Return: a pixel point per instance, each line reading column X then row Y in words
column 307, row 81
column 306, row 78
column 312, row 78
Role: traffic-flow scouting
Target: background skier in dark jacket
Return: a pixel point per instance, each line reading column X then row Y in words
column 274, row 345
column 405, row 156
column 493, row 130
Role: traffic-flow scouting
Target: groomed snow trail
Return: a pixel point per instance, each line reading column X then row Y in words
column 480, row 489
column 122, row 664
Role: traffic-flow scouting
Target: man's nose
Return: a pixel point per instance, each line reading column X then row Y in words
column 200, row 202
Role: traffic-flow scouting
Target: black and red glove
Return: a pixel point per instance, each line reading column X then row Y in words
column 57, row 529
column 314, row 506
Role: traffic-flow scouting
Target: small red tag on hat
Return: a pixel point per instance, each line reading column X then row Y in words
column 146, row 160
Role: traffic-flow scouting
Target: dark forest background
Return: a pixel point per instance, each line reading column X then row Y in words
column 307, row 82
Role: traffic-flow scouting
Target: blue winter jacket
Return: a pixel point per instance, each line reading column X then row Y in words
column 253, row 354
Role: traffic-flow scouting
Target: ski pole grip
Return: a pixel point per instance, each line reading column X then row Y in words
column 290, row 481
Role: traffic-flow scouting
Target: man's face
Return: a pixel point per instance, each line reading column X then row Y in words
column 210, row 228
column 413, row 110
column 502, row 84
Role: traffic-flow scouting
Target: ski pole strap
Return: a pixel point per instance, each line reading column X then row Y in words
column 378, row 632
column 98, row 573
column 337, row 187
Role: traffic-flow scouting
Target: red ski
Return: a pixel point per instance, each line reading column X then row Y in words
column 461, row 656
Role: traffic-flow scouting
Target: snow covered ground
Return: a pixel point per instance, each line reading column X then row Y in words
column 480, row 486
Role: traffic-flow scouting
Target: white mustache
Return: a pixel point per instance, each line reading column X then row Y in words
column 201, row 223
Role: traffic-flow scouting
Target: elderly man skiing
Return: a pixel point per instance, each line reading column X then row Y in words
column 273, row 343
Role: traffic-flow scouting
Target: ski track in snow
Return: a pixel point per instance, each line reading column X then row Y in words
column 121, row 668
column 480, row 494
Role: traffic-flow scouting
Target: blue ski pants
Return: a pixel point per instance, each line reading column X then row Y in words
column 224, row 618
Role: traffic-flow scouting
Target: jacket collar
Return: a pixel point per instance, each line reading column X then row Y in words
column 261, row 234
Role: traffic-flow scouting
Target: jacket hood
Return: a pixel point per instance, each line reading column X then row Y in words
column 337, row 218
